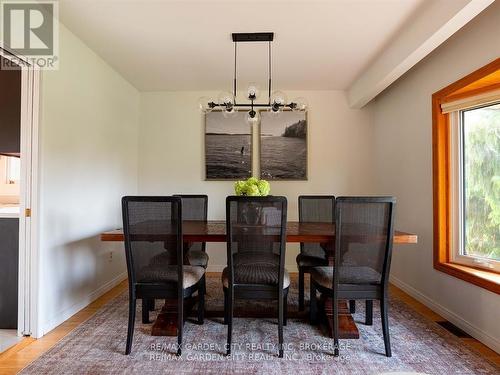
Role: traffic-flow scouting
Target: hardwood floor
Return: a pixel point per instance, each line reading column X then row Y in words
column 19, row 356
column 29, row 349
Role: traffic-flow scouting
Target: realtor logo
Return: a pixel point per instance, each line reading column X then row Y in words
column 30, row 30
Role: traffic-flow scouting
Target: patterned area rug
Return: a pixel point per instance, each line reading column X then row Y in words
column 418, row 345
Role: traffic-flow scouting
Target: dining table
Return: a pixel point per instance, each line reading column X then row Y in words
column 296, row 232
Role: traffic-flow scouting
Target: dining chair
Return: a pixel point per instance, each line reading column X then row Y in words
column 318, row 209
column 256, row 239
column 152, row 228
column 364, row 230
column 195, row 208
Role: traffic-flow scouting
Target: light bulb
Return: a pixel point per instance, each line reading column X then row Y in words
column 229, row 112
column 253, row 91
column 253, row 117
column 279, row 97
column 275, row 111
column 226, row 99
column 300, row 104
column 205, row 104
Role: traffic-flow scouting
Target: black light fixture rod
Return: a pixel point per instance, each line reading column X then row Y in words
column 234, row 79
column 260, row 105
column 269, row 91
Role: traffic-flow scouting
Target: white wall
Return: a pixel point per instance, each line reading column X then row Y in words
column 171, row 154
column 88, row 160
column 403, row 157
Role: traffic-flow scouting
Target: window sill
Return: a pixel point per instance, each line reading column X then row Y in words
column 485, row 279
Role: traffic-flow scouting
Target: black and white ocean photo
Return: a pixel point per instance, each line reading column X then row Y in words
column 283, row 146
column 228, row 147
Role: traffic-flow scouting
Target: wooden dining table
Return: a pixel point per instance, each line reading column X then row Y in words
column 215, row 231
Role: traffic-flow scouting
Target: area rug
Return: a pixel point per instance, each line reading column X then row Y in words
column 418, row 345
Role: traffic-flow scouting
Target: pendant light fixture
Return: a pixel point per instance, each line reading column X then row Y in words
column 276, row 102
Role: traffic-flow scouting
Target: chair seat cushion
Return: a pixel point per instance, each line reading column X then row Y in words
column 198, row 258
column 161, row 273
column 261, row 274
column 348, row 275
column 304, row 260
column 164, row 258
column 256, row 258
column 316, row 251
column 195, row 258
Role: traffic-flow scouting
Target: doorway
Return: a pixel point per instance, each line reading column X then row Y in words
column 18, row 195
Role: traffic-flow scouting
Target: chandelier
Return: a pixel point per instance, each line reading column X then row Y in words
column 276, row 100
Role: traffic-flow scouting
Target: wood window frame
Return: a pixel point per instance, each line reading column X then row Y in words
column 480, row 81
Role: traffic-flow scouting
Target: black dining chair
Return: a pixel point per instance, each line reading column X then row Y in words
column 195, row 208
column 152, row 228
column 364, row 230
column 256, row 243
column 318, row 209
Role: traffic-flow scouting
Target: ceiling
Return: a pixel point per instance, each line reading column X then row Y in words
column 186, row 45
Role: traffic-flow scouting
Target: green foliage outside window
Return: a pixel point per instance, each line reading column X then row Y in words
column 481, row 129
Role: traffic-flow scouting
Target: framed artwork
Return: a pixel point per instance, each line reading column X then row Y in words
column 228, row 146
column 283, row 146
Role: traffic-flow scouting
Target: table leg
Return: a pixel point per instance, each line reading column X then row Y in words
column 166, row 321
column 347, row 326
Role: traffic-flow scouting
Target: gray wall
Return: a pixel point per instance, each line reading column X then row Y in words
column 403, row 160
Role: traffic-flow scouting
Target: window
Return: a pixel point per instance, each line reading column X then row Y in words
column 13, row 170
column 466, row 177
column 475, row 151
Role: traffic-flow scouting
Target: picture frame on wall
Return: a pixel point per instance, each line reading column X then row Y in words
column 283, row 146
column 228, row 146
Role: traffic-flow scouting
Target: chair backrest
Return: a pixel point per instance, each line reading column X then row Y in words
column 315, row 209
column 256, row 232
column 194, row 208
column 152, row 227
column 364, row 230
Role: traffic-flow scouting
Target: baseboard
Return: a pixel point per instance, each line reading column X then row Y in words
column 215, row 267
column 67, row 313
column 488, row 340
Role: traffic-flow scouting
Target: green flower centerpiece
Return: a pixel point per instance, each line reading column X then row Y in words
column 252, row 187
column 249, row 212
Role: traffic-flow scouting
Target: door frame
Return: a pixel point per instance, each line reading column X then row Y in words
column 29, row 196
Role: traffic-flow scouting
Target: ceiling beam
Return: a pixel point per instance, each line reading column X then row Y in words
column 431, row 26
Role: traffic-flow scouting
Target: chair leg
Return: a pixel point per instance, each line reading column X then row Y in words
column 369, row 312
column 201, row 300
column 152, row 304
column 285, row 307
column 301, row 289
column 225, row 305
column 145, row 311
column 230, row 297
column 180, row 322
column 385, row 325
column 335, row 304
column 131, row 323
column 281, row 302
column 313, row 306
column 352, row 306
